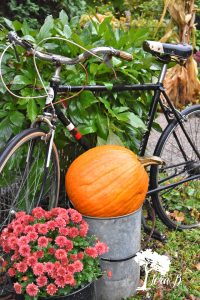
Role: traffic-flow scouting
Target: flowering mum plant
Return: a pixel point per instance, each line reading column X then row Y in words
column 49, row 253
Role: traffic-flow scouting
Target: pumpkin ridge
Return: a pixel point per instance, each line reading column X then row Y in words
column 118, row 176
column 104, row 175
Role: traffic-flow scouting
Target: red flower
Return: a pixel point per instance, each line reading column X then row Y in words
column 61, row 271
column 78, row 266
column 43, row 241
column 38, row 269
column 83, row 229
column 11, row 272
column 60, row 254
column 49, row 266
column 39, row 254
column 69, row 279
column 21, row 267
column 42, row 281
column 51, row 289
column 73, row 257
column 64, row 231
column 18, row 288
column 92, row 252
column 76, row 217
column 31, row 260
column 42, row 228
column 61, row 241
column 38, row 213
column 80, row 255
column 73, row 232
column 60, row 222
column 51, row 225
column 60, row 281
column 23, row 240
column 51, row 251
column 32, row 289
column 24, row 250
column 109, row 274
column 69, row 245
column 71, row 268
column 64, row 261
column 101, row 248
column 32, row 235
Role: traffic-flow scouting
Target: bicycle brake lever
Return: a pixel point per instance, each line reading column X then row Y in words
column 16, row 54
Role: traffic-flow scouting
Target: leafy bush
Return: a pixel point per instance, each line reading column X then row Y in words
column 106, row 117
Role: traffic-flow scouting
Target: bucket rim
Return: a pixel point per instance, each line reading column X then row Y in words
column 111, row 218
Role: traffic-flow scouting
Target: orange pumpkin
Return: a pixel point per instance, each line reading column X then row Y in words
column 107, row 181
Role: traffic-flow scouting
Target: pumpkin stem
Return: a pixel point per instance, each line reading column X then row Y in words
column 151, row 160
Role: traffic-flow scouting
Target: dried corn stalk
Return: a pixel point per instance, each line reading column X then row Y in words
column 181, row 82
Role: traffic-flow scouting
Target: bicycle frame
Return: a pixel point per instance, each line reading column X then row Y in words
column 156, row 100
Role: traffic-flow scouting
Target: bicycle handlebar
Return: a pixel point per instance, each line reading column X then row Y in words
column 108, row 51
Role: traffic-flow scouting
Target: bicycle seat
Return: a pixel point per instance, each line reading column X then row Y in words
column 182, row 51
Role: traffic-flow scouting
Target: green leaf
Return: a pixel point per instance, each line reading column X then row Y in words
column 136, row 122
column 16, row 118
column 5, row 128
column 21, row 80
column 46, row 28
column 102, row 125
column 32, row 110
column 63, row 17
column 108, row 85
column 87, row 98
column 67, row 31
column 9, row 23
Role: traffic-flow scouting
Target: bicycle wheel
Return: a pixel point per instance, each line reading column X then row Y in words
column 25, row 182
column 179, row 206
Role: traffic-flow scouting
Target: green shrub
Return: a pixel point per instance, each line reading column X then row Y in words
column 105, row 117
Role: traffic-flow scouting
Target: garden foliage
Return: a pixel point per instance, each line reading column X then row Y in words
column 106, row 117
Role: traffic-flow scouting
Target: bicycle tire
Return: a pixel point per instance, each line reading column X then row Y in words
column 22, row 184
column 178, row 207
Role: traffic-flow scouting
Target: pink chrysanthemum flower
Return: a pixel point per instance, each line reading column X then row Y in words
column 38, row 269
column 69, row 279
column 60, row 254
column 73, row 257
column 101, row 248
column 61, row 271
column 51, row 250
column 60, row 222
column 83, row 229
column 61, row 241
column 64, row 261
column 11, row 272
column 92, row 252
column 80, row 255
column 71, row 269
column 42, row 281
column 78, row 266
column 38, row 213
column 69, row 245
column 32, row 289
column 51, row 289
column 32, row 235
column 31, row 260
column 23, row 240
column 51, row 225
column 76, row 217
column 42, row 228
column 21, row 267
column 60, row 281
column 64, row 231
column 73, row 232
column 49, row 267
column 18, row 287
column 43, row 241
column 24, row 250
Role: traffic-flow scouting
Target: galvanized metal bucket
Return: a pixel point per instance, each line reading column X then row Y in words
column 123, row 237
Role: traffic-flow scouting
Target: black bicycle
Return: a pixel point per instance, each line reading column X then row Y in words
column 29, row 163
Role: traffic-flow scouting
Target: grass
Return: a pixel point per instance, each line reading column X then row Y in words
column 183, row 249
